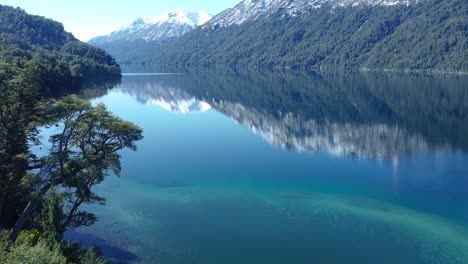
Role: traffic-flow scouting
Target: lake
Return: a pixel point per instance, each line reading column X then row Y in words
column 287, row 168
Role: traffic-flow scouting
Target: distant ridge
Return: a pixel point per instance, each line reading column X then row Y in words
column 250, row 10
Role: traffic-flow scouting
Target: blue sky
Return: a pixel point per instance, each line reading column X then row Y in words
column 89, row 18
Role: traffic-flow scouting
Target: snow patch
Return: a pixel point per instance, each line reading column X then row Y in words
column 251, row 10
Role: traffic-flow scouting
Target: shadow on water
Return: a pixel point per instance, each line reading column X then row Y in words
column 112, row 253
column 90, row 89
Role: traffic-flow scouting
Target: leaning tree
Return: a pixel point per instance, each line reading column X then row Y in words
column 83, row 152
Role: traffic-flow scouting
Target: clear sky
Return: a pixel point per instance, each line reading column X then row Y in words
column 90, row 18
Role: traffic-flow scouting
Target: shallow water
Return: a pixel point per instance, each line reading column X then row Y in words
column 288, row 168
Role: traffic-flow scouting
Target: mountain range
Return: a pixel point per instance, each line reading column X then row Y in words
column 410, row 35
column 169, row 25
column 251, row 10
column 147, row 34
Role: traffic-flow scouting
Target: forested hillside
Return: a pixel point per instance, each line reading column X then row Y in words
column 53, row 56
column 430, row 36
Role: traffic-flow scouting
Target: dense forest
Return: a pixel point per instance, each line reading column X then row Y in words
column 41, row 195
column 55, row 57
column 128, row 51
column 429, row 36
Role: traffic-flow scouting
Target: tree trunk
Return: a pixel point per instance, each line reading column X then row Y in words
column 71, row 215
column 30, row 208
column 2, row 201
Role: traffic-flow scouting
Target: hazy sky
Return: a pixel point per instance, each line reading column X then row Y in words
column 89, row 18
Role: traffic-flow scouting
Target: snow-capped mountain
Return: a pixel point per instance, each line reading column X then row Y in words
column 249, row 10
column 168, row 25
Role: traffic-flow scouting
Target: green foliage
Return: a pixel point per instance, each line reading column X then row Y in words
column 17, row 22
column 38, row 254
column 50, row 217
column 431, row 35
column 29, row 237
column 85, row 151
column 77, row 254
column 33, row 247
column 19, row 109
column 4, row 244
column 37, row 57
column 82, row 154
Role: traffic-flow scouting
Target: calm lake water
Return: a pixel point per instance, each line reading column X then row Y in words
column 288, row 168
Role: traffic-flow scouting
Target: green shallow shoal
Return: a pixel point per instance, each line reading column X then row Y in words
column 259, row 223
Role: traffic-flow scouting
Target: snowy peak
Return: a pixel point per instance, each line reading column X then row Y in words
column 168, row 25
column 249, row 10
column 182, row 17
column 138, row 22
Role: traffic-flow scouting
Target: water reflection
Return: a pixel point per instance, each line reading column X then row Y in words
column 193, row 174
column 374, row 115
column 150, row 91
column 98, row 88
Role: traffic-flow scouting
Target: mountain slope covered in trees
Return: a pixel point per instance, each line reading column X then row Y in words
column 57, row 59
column 428, row 35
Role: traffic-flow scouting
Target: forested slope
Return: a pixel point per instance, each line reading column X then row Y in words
column 430, row 36
column 41, row 46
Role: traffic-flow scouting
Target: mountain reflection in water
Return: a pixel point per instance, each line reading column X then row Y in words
column 374, row 115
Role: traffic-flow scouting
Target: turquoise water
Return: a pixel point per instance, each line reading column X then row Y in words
column 283, row 168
